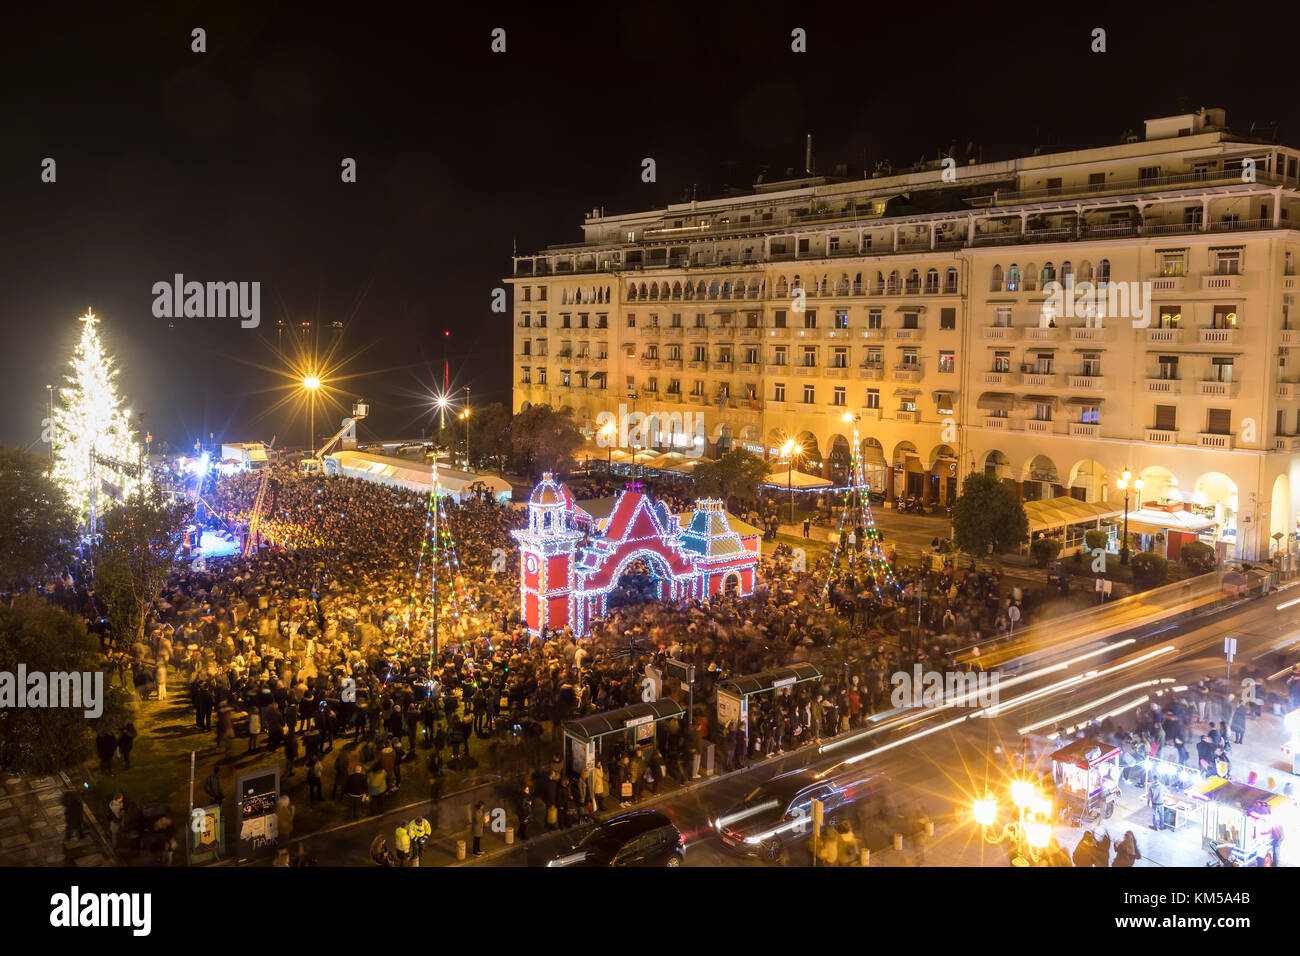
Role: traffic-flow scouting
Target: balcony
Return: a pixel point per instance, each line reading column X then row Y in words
column 908, row 335
column 1218, row 336
column 778, row 333
column 1208, row 440
column 1161, row 436
column 871, row 334
column 838, row 333
column 1286, row 443
column 1220, row 283
column 697, row 399
column 722, row 332
column 1168, row 285
column 747, row 368
column 904, row 415
column 1164, row 386
column 672, row 332
column 1042, row 335
column 1287, row 390
column 1092, row 382
column 721, row 365
column 582, row 332
column 805, row 370
column 1164, row 336
column 997, row 424
column 1290, row 337
column 1000, row 333
column 751, row 332
column 672, row 363
column 807, row 333
column 697, row 364
column 1085, row 430
column 1087, row 335
column 907, row 372
column 647, row 331
column 647, row 362
column 871, row 414
column 837, row 371
column 1037, row 426
column 1040, row 380
column 999, row 378
column 1217, row 389
column 777, row 368
column 697, row 332
column 872, row 371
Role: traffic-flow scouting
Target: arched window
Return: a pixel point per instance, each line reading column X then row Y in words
column 1029, row 277
column 950, row 282
column 932, row 282
column 1085, row 271
column 781, row 287
column 1103, row 271
column 654, row 291
column 1013, row 278
column 857, row 283
column 1067, row 270
column 880, row 283
column 1049, row 273
column 631, row 292
column 995, row 280
column 895, row 283
column 677, row 290
column 913, row 282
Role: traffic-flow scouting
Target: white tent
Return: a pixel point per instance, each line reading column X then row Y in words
column 414, row 475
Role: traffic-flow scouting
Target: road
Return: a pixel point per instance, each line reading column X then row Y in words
column 937, row 760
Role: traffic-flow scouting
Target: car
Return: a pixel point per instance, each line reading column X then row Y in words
column 778, row 813
column 639, row 838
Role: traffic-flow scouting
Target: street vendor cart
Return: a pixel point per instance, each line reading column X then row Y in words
column 1086, row 773
column 1239, row 820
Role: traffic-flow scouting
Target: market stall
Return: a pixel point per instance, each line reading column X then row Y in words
column 1087, row 775
column 1239, row 820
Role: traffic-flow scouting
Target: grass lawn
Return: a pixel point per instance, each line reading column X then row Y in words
column 160, row 771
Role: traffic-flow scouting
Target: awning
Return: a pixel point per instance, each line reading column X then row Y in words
column 1085, row 402
column 616, row 721
column 942, row 398
column 1049, row 513
column 1150, row 521
column 782, row 477
column 1050, row 400
column 768, row 680
column 910, row 308
column 907, row 391
column 995, row 401
column 597, row 374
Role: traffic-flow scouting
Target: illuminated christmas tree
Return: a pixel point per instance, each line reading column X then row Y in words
column 856, row 514
column 96, row 456
column 438, row 569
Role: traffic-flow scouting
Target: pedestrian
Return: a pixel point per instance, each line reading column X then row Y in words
column 435, row 778
column 1126, row 851
column 285, row 811
column 126, row 741
column 356, row 790
column 116, row 816
column 73, row 818
column 254, row 727
column 376, row 786
column 1239, row 723
column 212, row 787
column 478, row 823
column 1156, row 798
column 525, row 811
column 290, row 751
column 807, row 526
column 106, row 747
column 225, row 729
column 341, row 770
column 160, row 678
column 314, row 774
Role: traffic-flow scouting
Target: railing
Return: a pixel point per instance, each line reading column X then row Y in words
column 1093, row 382
column 1084, row 429
column 1220, row 283
column 908, row 334
column 1218, row 389
column 997, row 423
column 999, row 333
column 1042, row 335
column 999, row 378
column 1286, row 443
column 1163, row 284
column 1286, row 390
column 1164, row 386
column 1206, row 178
column 1218, row 336
column 1290, row 337
column 1038, row 426
column 1164, row 336
column 871, row 371
column 1087, row 335
column 1161, row 436
column 1208, row 440
column 1040, row 379
column 907, row 415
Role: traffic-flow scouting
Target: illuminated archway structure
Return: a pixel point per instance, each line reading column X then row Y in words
column 566, row 583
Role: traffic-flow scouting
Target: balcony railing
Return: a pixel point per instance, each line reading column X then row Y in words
column 1084, row 429
column 1040, row 380
column 1218, row 336
column 1218, row 389
column 907, row 335
column 1042, row 335
column 1088, row 335
column 871, row 334
column 1220, row 283
column 997, row 423
column 1209, row 440
column 999, row 378
column 837, row 371
column 1037, row 426
column 1168, row 285
column 1092, row 382
column 871, row 371
column 1286, row 443
column 907, row 415
column 1161, row 436
column 1164, row 386
column 1290, row 337
column 1287, row 390
column 1202, row 178
column 907, row 372
column 1000, row 333
column 778, row 333
column 1164, row 336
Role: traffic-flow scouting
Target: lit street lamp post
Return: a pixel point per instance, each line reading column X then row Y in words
column 1125, row 481
column 311, row 383
column 790, row 449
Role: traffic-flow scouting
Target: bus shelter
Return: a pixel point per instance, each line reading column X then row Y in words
column 635, row 726
column 734, row 694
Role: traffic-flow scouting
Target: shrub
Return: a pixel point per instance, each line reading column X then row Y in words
column 1044, row 549
column 1149, row 570
column 1197, row 557
column 1095, row 539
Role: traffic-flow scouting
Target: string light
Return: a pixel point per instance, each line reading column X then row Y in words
column 857, row 501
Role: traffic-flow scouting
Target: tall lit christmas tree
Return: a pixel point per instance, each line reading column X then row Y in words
column 856, row 514
column 448, row 600
column 96, row 456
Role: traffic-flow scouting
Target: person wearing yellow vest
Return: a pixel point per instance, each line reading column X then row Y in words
column 402, row 845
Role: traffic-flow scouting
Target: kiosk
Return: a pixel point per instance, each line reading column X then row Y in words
column 1239, row 820
column 1086, row 773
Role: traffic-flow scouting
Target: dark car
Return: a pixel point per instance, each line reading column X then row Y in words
column 640, row 838
column 779, row 813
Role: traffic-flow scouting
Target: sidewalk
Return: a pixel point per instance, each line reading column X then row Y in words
column 31, row 827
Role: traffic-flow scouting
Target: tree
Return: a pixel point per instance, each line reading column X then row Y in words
column 1149, row 570
column 1044, row 549
column 95, row 452
column 490, row 436
column 1198, row 557
column 988, row 515
column 45, row 640
column 543, row 439
column 36, row 524
column 739, row 472
column 133, row 558
column 1095, row 538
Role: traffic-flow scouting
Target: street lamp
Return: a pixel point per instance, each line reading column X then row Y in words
column 790, row 449
column 1126, row 480
column 636, row 465
column 1030, row 831
column 464, row 416
column 311, row 383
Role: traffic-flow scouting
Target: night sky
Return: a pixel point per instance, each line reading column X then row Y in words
column 225, row 166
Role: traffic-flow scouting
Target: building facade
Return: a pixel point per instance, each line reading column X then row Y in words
column 1055, row 320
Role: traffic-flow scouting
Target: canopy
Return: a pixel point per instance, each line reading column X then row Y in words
column 767, row 680
column 615, row 721
column 688, row 466
column 1149, row 521
column 785, row 478
column 995, row 401
column 1085, row 753
column 663, row 461
column 1049, row 513
column 413, row 475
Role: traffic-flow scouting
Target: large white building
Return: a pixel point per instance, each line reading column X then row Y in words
column 916, row 305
